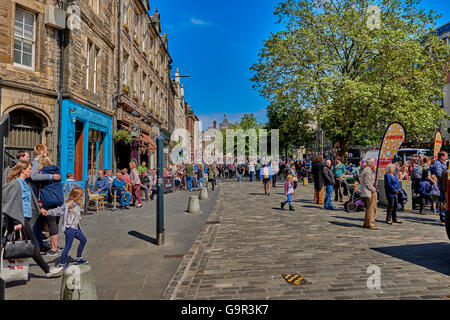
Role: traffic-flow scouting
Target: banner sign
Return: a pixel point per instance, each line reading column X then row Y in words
column 393, row 139
column 437, row 144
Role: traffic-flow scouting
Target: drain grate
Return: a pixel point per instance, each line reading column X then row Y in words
column 173, row 256
column 294, row 279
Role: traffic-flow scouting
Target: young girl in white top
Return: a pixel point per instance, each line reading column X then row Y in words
column 71, row 225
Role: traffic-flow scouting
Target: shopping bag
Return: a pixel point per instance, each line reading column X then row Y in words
column 14, row 270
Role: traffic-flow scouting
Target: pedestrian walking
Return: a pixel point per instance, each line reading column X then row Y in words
column 339, row 172
column 71, row 226
column 392, row 190
column 266, row 173
column 258, row 170
column 36, row 179
column 440, row 166
column 252, row 170
column 212, row 176
column 51, row 195
column 135, row 184
column 189, row 169
column 288, row 192
column 319, row 185
column 328, row 178
column 275, row 169
column 21, row 211
column 369, row 192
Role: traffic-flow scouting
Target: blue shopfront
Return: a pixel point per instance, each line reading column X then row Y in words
column 85, row 141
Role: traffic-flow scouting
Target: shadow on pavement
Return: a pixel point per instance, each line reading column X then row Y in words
column 16, row 283
column 433, row 256
column 143, row 237
column 431, row 222
column 359, row 219
column 346, row 224
column 314, row 207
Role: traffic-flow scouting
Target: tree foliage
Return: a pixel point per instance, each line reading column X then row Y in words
column 356, row 78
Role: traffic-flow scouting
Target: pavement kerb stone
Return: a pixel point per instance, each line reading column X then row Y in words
column 195, row 253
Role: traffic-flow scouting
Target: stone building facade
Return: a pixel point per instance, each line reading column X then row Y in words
column 72, row 88
column 89, row 80
column 145, row 82
column 29, row 75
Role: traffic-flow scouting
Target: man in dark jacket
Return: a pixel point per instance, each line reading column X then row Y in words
column 328, row 178
column 317, row 172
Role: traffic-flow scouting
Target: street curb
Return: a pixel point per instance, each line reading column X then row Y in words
column 195, row 260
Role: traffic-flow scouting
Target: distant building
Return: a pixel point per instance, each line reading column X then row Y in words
column 225, row 124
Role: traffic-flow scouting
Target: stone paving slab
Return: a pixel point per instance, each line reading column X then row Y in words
column 256, row 242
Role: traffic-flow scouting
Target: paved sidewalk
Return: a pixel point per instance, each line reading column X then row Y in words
column 245, row 255
column 121, row 250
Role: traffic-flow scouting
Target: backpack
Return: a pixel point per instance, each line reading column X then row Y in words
column 266, row 172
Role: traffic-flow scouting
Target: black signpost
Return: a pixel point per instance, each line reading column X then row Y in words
column 160, row 204
column 4, row 130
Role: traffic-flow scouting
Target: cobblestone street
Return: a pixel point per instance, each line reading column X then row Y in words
column 245, row 255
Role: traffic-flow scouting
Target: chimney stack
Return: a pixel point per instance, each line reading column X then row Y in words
column 215, row 124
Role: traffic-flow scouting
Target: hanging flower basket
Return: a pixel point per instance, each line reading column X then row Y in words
column 144, row 105
column 136, row 99
column 126, row 90
column 123, row 136
column 125, row 27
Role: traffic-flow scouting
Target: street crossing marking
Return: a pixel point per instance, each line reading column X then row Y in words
column 294, row 279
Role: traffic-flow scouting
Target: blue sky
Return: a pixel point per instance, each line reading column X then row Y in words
column 217, row 41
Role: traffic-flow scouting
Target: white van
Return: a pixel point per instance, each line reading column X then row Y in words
column 402, row 154
column 371, row 154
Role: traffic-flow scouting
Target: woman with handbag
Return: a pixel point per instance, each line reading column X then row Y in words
column 21, row 210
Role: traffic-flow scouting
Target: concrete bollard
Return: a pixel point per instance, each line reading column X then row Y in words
column 194, row 205
column 210, row 186
column 204, row 194
column 78, row 283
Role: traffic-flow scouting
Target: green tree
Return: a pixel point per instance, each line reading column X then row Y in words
column 241, row 128
column 357, row 74
column 293, row 123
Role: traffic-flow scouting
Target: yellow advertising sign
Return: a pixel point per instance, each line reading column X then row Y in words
column 393, row 139
column 437, row 144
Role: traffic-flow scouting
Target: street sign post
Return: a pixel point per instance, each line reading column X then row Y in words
column 160, row 204
column 4, row 130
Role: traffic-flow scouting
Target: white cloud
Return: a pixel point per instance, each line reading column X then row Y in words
column 199, row 22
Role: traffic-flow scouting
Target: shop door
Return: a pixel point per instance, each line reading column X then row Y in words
column 78, row 151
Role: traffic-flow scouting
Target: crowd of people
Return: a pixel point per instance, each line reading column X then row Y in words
column 34, row 194
column 428, row 179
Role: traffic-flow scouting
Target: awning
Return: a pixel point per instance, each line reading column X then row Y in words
column 144, row 138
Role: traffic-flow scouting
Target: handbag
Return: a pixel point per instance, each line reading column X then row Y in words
column 18, row 249
column 14, row 270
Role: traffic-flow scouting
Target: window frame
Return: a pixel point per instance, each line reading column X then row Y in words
column 88, row 63
column 33, row 41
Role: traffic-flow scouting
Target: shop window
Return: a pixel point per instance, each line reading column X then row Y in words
column 95, row 152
